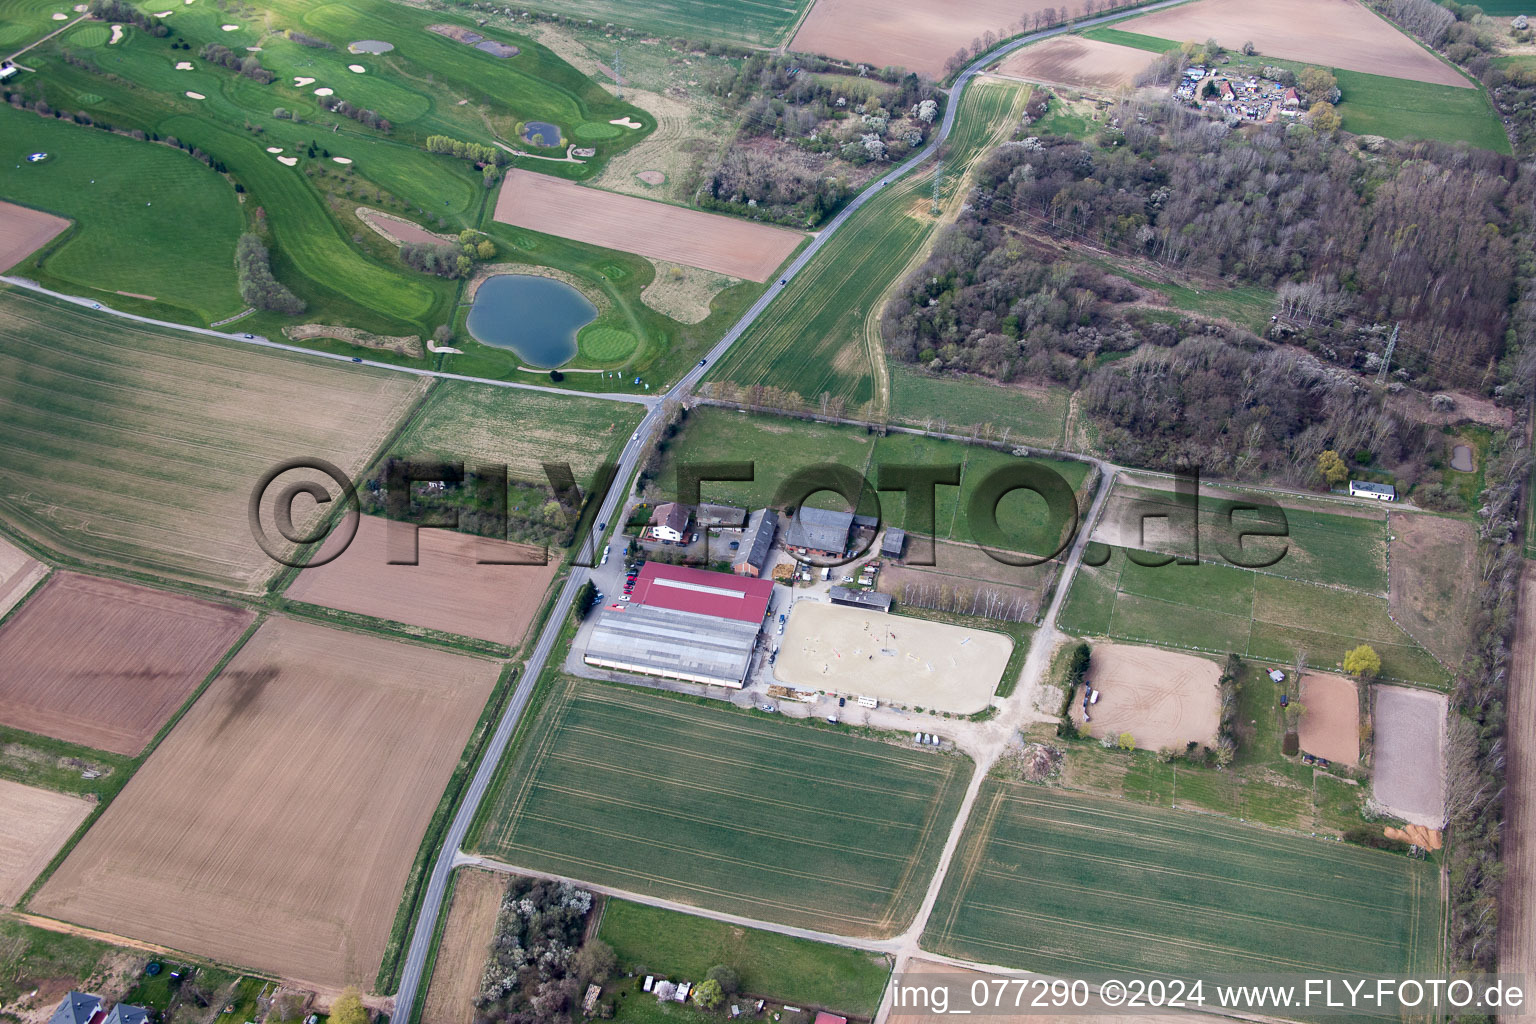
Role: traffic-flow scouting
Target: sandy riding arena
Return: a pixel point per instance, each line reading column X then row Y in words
column 276, row 825
column 1332, row 33
column 1161, row 698
column 466, row 942
column 1077, row 62
column 105, row 664
column 897, row 659
column 34, row 823
column 630, row 224
column 447, row 590
column 24, row 231
column 1408, row 760
column 19, row 573
column 919, row 35
column 1330, row 721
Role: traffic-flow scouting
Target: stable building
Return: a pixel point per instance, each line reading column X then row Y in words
column 754, row 551
column 816, row 531
column 894, row 543
column 1376, row 492
column 721, row 517
column 870, row 599
column 683, row 623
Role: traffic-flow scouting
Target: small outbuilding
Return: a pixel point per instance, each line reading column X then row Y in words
column 1374, row 491
column 816, row 531
column 894, row 543
column 721, row 517
column 871, row 599
column 756, row 546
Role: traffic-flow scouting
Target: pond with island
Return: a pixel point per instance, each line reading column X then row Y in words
column 536, row 317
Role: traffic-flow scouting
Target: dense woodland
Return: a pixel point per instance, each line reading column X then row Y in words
column 538, row 966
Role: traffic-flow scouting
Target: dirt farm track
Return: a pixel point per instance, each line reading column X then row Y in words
column 1333, row 33
column 276, row 825
column 656, row 230
column 1162, row 698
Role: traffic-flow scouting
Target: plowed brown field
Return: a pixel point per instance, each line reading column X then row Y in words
column 918, row 35
column 447, row 590
column 1077, row 62
column 1332, row 33
column 466, row 942
column 709, row 241
column 34, row 823
column 276, row 826
column 19, row 573
column 24, row 231
column 105, row 664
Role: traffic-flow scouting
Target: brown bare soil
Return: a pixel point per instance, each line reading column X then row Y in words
column 1162, row 698
column 1078, row 62
column 276, row 826
column 1330, row 723
column 1408, row 754
column 651, row 177
column 1517, row 929
column 630, row 224
column 24, row 231
column 1418, row 835
column 19, row 573
column 1431, row 595
column 919, row 35
column 398, row 229
column 466, row 943
column 447, row 590
column 34, row 823
column 1332, row 33
column 105, row 664
column 400, row 345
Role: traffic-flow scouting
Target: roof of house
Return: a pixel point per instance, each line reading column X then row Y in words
column 861, row 598
column 122, row 1013
column 76, row 1008
column 685, row 589
column 757, row 542
column 818, row 529
column 1371, row 488
column 721, row 515
column 671, row 515
column 823, row 1017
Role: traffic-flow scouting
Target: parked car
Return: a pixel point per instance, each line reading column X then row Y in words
column 357, row 359
column 1308, row 759
column 831, row 719
column 847, row 579
column 842, row 702
column 767, row 707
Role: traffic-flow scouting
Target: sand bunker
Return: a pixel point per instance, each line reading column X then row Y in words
column 274, row 149
column 195, row 96
column 61, row 17
column 288, row 161
column 625, row 122
column 183, row 65
column 342, row 159
column 117, row 35
column 299, row 81
column 325, row 92
column 356, row 69
column 253, row 49
column 229, row 28
column 162, row 14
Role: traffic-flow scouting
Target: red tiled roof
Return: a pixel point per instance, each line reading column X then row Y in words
column 698, row 590
column 823, row 1017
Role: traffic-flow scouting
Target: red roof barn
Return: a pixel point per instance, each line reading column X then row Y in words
column 683, row 589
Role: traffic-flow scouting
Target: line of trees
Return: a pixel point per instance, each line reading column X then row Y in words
column 257, row 285
column 248, row 65
column 987, row 602
column 362, row 115
column 121, row 10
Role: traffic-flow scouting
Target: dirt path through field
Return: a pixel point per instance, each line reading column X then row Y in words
column 1517, row 933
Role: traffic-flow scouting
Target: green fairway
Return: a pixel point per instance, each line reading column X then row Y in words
column 821, row 335
column 732, row 810
column 138, row 448
column 752, row 22
column 1028, row 415
column 127, row 199
column 770, row 965
column 1395, row 108
column 1064, row 883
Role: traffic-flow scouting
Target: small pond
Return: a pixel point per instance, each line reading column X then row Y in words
column 541, row 133
column 1461, row 459
column 536, row 317
column 370, row 46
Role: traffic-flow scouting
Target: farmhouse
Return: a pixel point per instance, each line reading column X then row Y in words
column 683, row 623
column 871, row 599
column 1376, row 492
column 815, row 531
column 721, row 517
column 669, row 522
column 756, row 545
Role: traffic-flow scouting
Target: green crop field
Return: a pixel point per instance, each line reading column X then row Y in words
column 770, row 965
column 821, row 335
column 1027, row 415
column 137, row 447
column 1395, row 108
column 126, row 199
column 1068, row 884
column 724, row 808
column 750, row 22
column 478, row 424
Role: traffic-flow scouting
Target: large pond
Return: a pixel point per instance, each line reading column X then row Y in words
column 536, row 317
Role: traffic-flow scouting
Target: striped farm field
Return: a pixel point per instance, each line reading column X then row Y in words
column 1069, row 884
column 724, row 808
column 821, row 335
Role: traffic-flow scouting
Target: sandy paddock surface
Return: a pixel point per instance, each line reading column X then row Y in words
column 660, row 231
column 276, row 825
column 1078, row 62
column 466, row 941
column 894, row 658
column 19, row 573
column 1162, row 698
column 34, row 823
column 1431, row 592
column 1517, row 927
column 919, row 35
column 1333, row 33
column 104, row 663
column 448, row 591
column 23, row 231
column 1330, row 725
column 1408, row 760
